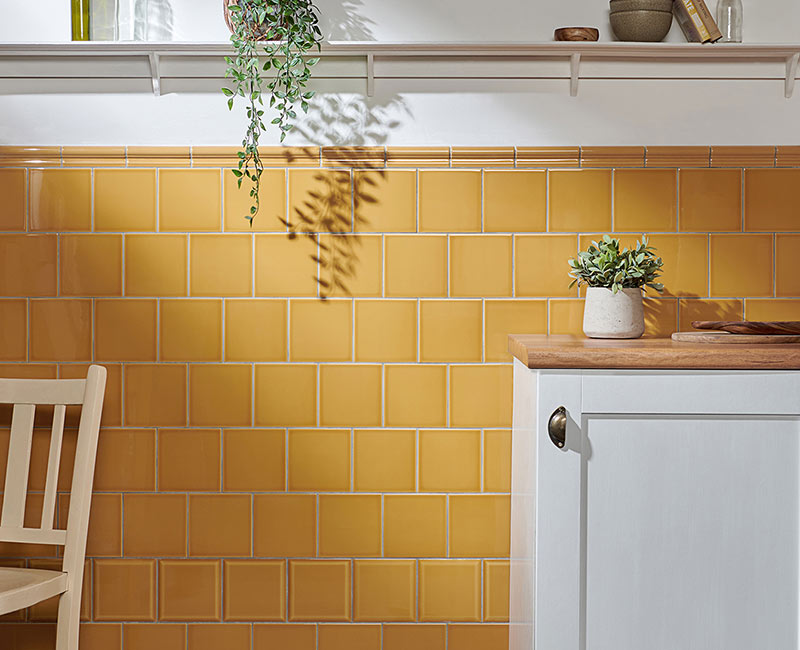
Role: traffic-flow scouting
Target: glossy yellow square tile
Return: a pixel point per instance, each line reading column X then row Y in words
column 91, row 265
column 190, row 330
column 14, row 193
column 286, row 637
column 155, row 265
column 321, row 331
column 221, row 265
column 349, row 525
column 159, row 156
column 320, row 200
column 418, row 156
column 685, row 271
column 483, row 156
column 477, row 637
column 612, row 156
column 212, row 637
column 125, row 199
column 480, row 525
column 124, row 590
column 105, row 524
column 112, row 404
column 285, row 525
column 352, row 265
column 736, row 156
column 580, row 201
column 504, row 317
column 480, row 396
column 730, row 277
column 30, row 637
column 286, row 395
column 100, row 636
column 645, row 199
column 219, row 525
column 28, row 265
column 480, row 265
column 450, row 461
column 515, row 201
column 255, row 330
column 415, row 396
column 220, row 394
column 787, row 156
column 145, row 636
column 678, row 156
column 155, row 525
column 319, row 590
column 60, row 199
column 13, row 330
column 61, row 330
column 189, row 199
column 384, row 590
column 449, row 590
column 710, row 200
column 497, row 460
column 660, row 317
column 421, row 637
column 386, row 330
column 188, row 460
column 772, row 309
column 350, row 395
column 155, row 394
column 126, row 460
column 93, row 156
column 189, row 590
column 349, row 637
column 566, row 317
column 272, row 203
column 254, row 590
column 770, row 199
column 254, row 460
column 285, row 267
column 387, row 201
column 540, row 265
column 451, row 330
column 495, row 590
column 319, row 460
column 692, row 310
column 449, row 201
column 125, row 330
column 416, row 266
column 384, row 461
column 787, row 252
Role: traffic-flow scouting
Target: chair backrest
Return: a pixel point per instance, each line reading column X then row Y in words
column 26, row 395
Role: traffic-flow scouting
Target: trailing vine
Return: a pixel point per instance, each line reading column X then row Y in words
column 285, row 30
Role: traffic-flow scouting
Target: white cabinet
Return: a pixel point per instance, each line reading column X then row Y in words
column 668, row 520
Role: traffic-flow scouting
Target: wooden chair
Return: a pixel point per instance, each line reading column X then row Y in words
column 20, row 588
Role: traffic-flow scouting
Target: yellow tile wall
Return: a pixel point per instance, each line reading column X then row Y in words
column 275, row 471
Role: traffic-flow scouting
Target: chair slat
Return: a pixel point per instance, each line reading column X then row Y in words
column 53, row 462
column 42, row 391
column 19, row 461
column 33, row 536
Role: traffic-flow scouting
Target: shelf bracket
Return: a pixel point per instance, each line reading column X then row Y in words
column 370, row 74
column 791, row 73
column 155, row 73
column 574, row 74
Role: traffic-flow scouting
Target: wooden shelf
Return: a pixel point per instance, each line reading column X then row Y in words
column 350, row 66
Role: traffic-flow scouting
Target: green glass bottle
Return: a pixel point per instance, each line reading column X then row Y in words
column 80, row 20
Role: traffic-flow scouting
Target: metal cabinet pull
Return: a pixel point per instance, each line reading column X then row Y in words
column 557, row 427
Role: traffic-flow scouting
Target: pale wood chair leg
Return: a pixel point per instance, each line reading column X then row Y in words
column 69, row 617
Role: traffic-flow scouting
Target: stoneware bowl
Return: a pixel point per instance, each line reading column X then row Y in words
column 641, row 25
column 640, row 5
column 577, row 34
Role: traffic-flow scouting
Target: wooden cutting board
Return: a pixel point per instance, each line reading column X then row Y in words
column 749, row 327
column 727, row 337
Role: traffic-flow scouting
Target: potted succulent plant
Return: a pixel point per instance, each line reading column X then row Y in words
column 285, row 30
column 615, row 279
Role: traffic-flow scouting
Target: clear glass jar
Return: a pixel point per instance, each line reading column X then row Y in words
column 729, row 20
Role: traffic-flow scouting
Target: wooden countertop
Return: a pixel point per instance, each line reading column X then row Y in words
column 542, row 352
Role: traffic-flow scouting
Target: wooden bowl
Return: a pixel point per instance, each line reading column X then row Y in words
column 577, row 34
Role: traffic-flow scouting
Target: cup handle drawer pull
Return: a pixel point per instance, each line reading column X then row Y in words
column 557, row 427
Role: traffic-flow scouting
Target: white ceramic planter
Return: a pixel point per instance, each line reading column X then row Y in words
column 608, row 315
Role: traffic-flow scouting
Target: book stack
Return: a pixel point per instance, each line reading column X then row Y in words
column 696, row 21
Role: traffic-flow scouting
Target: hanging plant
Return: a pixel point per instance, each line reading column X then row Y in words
column 276, row 36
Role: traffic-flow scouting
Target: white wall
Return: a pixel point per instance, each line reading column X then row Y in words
column 499, row 113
